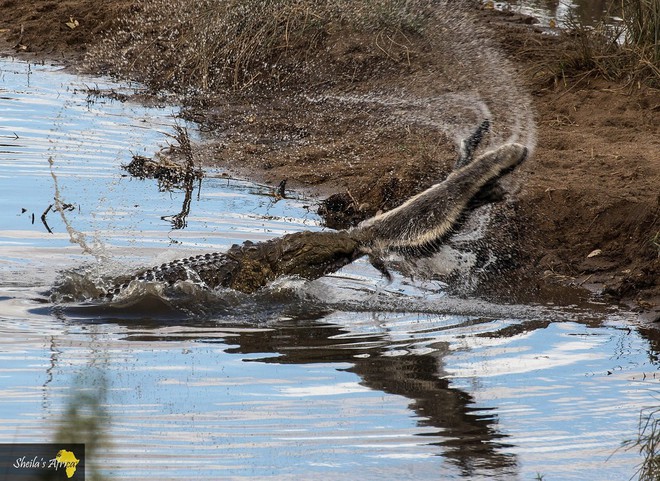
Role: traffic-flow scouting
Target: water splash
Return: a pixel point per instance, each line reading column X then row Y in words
column 75, row 236
column 354, row 289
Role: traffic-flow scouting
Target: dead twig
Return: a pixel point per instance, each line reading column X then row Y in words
column 43, row 218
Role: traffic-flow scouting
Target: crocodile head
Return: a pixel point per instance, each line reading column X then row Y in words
column 314, row 254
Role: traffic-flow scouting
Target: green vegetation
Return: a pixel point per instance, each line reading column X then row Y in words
column 85, row 419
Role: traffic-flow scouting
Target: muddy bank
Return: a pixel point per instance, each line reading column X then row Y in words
column 588, row 203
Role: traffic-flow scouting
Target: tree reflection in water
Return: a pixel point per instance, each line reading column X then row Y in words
column 472, row 441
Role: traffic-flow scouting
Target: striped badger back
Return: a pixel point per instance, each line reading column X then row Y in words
column 424, row 221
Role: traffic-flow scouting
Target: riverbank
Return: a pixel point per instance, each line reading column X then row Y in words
column 588, row 202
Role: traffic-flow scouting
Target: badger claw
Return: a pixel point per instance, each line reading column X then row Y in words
column 380, row 266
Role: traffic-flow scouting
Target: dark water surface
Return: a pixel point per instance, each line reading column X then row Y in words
column 341, row 378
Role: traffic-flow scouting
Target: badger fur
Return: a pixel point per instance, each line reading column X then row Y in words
column 424, row 221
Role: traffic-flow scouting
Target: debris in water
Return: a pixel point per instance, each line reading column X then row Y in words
column 173, row 167
column 43, row 218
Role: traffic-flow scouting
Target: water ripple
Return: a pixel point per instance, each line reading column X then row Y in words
column 343, row 377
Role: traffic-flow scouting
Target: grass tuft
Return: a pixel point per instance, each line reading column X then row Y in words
column 628, row 50
column 648, row 444
column 642, row 21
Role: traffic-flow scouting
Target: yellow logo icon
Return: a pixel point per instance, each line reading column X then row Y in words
column 68, row 460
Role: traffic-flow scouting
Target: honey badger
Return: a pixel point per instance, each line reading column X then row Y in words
column 417, row 228
column 422, row 223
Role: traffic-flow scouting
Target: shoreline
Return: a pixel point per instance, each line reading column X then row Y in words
column 587, row 210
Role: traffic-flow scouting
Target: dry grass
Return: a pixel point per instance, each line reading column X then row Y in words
column 210, row 45
column 648, row 444
column 642, row 21
column 655, row 241
column 629, row 50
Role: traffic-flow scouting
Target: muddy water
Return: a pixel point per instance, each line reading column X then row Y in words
column 341, row 378
column 560, row 11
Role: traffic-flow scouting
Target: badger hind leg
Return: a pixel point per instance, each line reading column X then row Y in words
column 469, row 145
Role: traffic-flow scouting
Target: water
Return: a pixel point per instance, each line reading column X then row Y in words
column 587, row 11
column 343, row 377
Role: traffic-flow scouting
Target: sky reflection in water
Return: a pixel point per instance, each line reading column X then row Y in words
column 343, row 377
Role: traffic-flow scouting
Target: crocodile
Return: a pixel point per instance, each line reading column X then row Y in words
column 417, row 227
